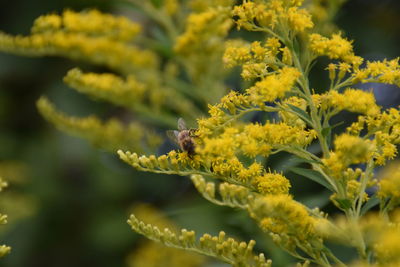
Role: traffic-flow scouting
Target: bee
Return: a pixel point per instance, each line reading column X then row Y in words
column 183, row 137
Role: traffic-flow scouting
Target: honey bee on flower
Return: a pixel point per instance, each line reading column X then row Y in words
column 183, row 137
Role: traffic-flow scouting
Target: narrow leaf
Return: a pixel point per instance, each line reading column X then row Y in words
column 372, row 202
column 301, row 113
column 313, row 175
column 327, row 131
column 344, row 203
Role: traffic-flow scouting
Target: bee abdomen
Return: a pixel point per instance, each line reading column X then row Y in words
column 188, row 146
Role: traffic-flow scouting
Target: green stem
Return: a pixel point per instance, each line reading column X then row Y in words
column 342, row 84
column 364, row 182
column 313, row 110
column 334, row 258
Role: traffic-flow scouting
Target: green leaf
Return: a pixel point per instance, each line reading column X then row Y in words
column 316, row 200
column 286, row 164
column 314, row 176
column 344, row 203
column 326, row 132
column 372, row 202
column 302, row 114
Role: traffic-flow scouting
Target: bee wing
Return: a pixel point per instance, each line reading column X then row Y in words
column 181, row 124
column 173, row 135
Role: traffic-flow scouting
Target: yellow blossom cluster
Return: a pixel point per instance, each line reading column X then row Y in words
column 254, row 16
column 288, row 219
column 335, row 47
column 231, row 169
column 348, row 150
column 90, row 22
column 128, row 92
column 273, row 87
column 387, row 247
column 98, row 50
column 272, row 136
column 202, row 31
column 256, row 58
column 227, row 144
column 385, row 127
column 353, row 100
column 389, row 184
column 234, row 105
column 226, row 249
column 151, row 254
column 107, row 86
column 386, row 71
column 386, row 147
column 382, row 236
column 198, row 48
column 109, row 135
column 105, row 46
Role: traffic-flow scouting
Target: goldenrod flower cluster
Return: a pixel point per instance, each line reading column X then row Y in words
column 227, row 144
column 129, row 92
column 226, row 249
column 389, row 184
column 386, row 71
column 229, row 149
column 92, row 22
column 353, row 100
column 202, row 29
column 381, row 236
column 280, row 214
column 336, row 47
column 110, row 135
column 151, row 254
column 348, row 150
column 102, row 41
column 272, row 14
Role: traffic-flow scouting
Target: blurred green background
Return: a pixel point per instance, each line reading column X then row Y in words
column 69, row 203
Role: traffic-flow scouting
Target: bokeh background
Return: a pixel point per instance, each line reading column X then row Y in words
column 68, row 202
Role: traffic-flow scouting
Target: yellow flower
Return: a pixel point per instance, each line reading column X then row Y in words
column 91, row 22
column 236, row 53
column 111, row 135
column 98, row 50
column 389, row 184
column 379, row 71
column 348, row 150
column 252, row 15
column 336, row 47
column 273, row 86
column 354, row 100
column 272, row 183
column 250, row 11
column 281, row 215
column 202, row 30
column 299, row 19
column 107, row 86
